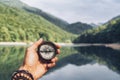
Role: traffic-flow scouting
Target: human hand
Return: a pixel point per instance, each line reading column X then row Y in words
column 33, row 64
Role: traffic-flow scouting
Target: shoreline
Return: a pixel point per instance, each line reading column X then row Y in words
column 112, row 45
column 13, row 44
column 61, row 44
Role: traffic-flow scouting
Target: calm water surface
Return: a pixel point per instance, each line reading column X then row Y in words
column 89, row 63
column 75, row 63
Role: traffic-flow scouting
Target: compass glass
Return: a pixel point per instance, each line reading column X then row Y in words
column 47, row 50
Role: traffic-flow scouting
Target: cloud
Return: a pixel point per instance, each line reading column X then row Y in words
column 79, row 10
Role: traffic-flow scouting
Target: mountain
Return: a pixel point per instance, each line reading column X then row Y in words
column 17, row 3
column 95, row 25
column 13, row 3
column 18, row 25
column 78, row 27
column 107, row 33
column 115, row 18
column 57, row 21
column 75, row 28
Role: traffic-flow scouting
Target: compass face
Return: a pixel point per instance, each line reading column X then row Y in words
column 47, row 50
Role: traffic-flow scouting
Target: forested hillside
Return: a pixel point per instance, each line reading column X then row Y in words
column 19, row 25
column 59, row 22
column 75, row 28
column 18, row 4
column 107, row 33
column 78, row 27
column 20, row 22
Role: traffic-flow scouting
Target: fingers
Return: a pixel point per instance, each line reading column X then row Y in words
column 36, row 44
column 58, row 46
column 53, row 63
column 54, row 60
column 58, row 51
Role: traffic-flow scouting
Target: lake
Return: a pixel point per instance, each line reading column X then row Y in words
column 75, row 63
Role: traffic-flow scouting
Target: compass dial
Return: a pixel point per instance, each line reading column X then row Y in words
column 47, row 51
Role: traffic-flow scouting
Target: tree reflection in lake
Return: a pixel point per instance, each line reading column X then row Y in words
column 102, row 55
column 10, row 60
column 107, row 57
column 79, row 60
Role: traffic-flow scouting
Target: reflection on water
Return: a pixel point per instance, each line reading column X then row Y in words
column 90, row 63
column 85, row 72
column 80, row 63
column 10, row 59
column 103, row 55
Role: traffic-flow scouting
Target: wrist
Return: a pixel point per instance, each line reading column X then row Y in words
column 26, row 68
column 22, row 75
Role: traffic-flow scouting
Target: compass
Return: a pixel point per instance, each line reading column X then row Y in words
column 47, row 51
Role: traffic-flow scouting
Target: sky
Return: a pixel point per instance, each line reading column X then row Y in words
column 86, row 11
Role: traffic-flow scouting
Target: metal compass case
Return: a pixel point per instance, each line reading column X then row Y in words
column 47, row 51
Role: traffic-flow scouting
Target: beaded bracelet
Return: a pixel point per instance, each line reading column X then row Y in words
column 22, row 75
